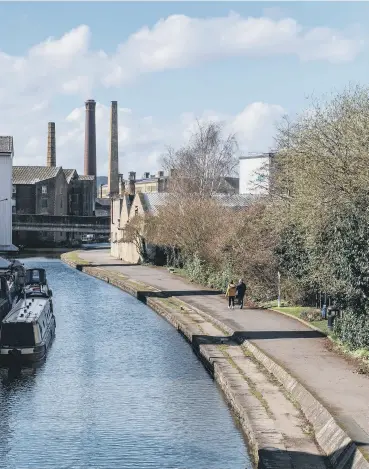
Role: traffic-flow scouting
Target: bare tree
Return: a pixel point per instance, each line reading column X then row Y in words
column 200, row 166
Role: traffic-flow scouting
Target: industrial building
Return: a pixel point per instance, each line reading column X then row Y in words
column 53, row 190
column 255, row 171
column 6, row 162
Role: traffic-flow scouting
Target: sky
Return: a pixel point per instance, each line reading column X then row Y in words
column 168, row 64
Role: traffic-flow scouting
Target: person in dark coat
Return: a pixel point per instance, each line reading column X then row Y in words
column 240, row 292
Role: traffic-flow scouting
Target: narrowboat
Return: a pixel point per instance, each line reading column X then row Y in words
column 28, row 329
column 12, row 275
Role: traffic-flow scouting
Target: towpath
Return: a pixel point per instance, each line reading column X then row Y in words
column 304, row 353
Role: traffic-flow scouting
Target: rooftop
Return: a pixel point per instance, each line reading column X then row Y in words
column 30, row 314
column 86, row 178
column 104, row 202
column 152, row 201
column 33, row 174
column 6, row 144
column 69, row 174
column 254, row 155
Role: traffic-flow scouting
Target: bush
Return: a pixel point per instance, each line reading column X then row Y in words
column 196, row 270
column 353, row 330
column 311, row 315
column 220, row 280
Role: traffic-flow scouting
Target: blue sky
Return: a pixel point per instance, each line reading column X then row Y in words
column 225, row 85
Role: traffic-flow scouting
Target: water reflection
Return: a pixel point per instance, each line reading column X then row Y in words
column 120, row 389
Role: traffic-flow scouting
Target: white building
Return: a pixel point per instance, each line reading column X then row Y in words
column 254, row 173
column 6, row 188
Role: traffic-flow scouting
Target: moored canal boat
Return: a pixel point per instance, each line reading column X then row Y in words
column 12, row 275
column 28, row 329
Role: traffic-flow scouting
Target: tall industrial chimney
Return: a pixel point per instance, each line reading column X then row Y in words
column 51, row 150
column 113, row 176
column 90, row 139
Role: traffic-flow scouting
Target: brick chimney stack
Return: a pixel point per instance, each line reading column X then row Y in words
column 51, row 149
column 113, row 175
column 90, row 139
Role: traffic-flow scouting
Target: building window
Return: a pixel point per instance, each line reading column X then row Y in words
column 14, row 210
column 43, row 203
column 14, row 189
column 136, row 210
column 44, row 189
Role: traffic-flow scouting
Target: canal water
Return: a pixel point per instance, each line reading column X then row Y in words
column 120, row 389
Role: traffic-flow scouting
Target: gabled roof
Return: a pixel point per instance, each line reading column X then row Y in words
column 6, row 144
column 233, row 182
column 4, row 263
column 103, row 202
column 235, row 200
column 70, row 174
column 151, row 201
column 33, row 174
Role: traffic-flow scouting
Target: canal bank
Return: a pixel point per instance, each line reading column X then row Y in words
column 278, row 433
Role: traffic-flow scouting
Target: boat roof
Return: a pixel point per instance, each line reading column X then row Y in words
column 22, row 313
column 4, row 263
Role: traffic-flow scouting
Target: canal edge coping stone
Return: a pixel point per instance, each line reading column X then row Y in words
column 331, row 437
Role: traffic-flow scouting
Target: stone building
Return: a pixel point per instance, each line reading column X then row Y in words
column 81, row 193
column 102, row 207
column 159, row 183
column 122, row 211
column 50, row 190
column 40, row 190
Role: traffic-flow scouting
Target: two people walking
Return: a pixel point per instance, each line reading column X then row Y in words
column 234, row 291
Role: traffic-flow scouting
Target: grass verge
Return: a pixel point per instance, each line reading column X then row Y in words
column 74, row 257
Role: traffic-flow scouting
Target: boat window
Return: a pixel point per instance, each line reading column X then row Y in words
column 35, row 275
column 17, row 334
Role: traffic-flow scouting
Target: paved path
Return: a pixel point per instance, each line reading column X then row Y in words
column 299, row 349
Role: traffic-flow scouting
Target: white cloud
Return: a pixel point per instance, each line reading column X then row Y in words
column 180, row 41
column 68, row 66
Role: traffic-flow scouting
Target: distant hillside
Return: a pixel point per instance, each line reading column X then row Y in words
column 101, row 180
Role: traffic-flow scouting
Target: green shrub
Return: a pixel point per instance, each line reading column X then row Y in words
column 353, row 330
column 220, row 280
column 195, row 269
column 311, row 315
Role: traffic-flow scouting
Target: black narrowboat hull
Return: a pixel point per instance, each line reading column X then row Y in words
column 27, row 357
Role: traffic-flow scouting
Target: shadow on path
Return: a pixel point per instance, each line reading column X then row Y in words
column 274, row 458
column 114, row 265
column 142, row 295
